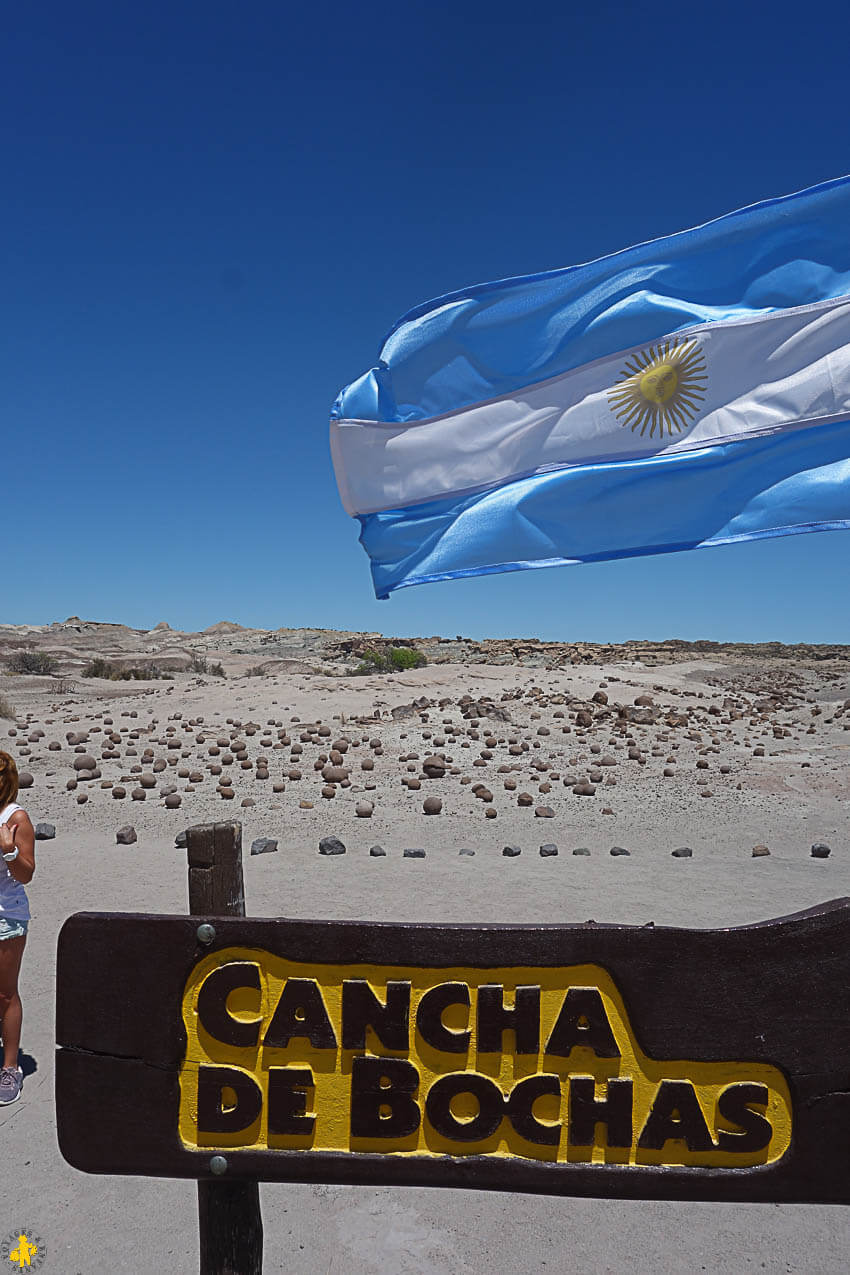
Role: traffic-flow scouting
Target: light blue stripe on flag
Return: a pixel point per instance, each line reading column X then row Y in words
column 494, row 338
column 789, row 483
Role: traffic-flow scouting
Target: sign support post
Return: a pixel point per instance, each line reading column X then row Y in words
column 229, row 1219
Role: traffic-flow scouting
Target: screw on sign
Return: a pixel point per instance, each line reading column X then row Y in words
column 23, row 1249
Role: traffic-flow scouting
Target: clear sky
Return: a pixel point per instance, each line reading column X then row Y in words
column 214, row 211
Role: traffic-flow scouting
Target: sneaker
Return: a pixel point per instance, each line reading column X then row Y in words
column 11, row 1080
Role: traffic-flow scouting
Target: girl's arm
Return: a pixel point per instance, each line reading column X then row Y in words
column 18, row 831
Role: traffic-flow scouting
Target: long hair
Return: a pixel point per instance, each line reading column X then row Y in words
column 8, row 779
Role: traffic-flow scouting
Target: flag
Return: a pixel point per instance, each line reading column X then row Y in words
column 687, row 392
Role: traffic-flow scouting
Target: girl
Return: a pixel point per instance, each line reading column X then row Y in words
column 17, row 845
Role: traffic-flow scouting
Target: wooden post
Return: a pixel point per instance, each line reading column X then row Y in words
column 229, row 1219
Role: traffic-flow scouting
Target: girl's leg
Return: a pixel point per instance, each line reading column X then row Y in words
column 11, row 952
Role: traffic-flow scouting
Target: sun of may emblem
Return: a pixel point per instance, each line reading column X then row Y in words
column 661, row 387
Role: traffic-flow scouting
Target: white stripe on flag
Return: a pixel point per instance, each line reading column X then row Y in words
column 778, row 371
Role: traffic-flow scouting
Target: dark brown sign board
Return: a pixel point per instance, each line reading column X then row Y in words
column 596, row 1060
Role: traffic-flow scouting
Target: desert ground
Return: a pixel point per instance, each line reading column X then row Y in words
column 645, row 747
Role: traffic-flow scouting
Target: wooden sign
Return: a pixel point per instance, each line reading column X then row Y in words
column 598, row 1060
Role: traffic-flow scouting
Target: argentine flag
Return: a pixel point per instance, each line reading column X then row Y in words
column 690, row 391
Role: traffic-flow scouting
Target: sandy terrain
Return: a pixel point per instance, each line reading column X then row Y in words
column 735, row 748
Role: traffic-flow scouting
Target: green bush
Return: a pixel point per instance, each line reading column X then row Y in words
column 404, row 657
column 396, row 660
column 32, row 662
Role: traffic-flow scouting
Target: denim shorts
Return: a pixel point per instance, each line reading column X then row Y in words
column 12, row 928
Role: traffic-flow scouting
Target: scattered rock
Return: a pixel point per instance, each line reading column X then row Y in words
column 413, row 854
column 820, row 850
column 126, row 835
column 511, row 852
column 173, row 800
column 759, row 852
column 617, row 851
column 584, row 790
column 25, row 779
column 377, row 852
column 432, row 805
column 364, row 809
column 263, row 845
column 334, row 774
column 331, row 845
column 583, row 850
column 544, row 812
column 682, row 852
column 44, row 832
column 548, row 850
column 465, row 851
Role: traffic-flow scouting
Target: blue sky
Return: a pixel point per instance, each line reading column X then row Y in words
column 213, row 213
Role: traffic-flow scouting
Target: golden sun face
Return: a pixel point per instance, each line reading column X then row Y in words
column 662, row 387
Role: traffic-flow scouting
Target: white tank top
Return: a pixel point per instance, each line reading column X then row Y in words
column 14, row 905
